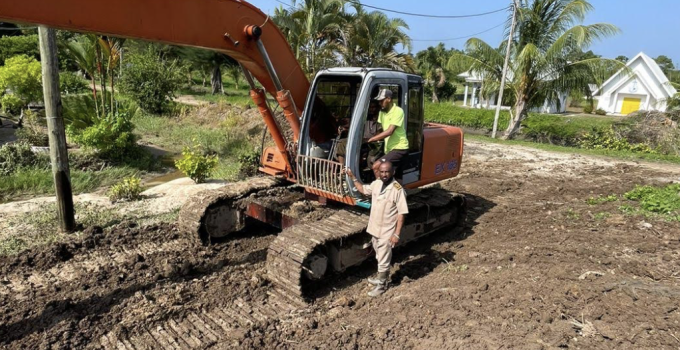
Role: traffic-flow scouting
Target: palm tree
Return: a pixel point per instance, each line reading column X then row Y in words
column 547, row 33
column 322, row 32
column 368, row 39
column 83, row 52
column 431, row 63
column 310, row 26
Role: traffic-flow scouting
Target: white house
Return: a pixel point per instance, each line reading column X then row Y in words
column 475, row 101
column 643, row 86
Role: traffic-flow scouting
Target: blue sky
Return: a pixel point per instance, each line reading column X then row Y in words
column 652, row 26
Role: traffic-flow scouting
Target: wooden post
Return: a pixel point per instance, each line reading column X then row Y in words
column 55, row 128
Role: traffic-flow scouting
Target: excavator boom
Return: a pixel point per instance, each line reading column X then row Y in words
column 210, row 24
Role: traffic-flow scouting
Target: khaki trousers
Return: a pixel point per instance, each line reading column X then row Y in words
column 383, row 253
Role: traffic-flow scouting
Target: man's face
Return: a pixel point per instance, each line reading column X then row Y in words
column 373, row 108
column 385, row 104
column 386, row 172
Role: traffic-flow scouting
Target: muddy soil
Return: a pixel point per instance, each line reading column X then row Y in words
column 535, row 267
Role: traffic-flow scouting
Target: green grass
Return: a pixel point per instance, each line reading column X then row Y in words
column 227, row 141
column 626, row 155
column 36, row 182
column 173, row 135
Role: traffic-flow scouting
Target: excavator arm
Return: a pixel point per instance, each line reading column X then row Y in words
column 235, row 28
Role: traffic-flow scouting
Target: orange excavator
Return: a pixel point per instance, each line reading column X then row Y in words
column 321, row 215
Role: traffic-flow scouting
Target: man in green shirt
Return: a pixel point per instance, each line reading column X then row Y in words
column 391, row 118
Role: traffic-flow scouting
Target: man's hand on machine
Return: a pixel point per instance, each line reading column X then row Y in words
column 348, row 173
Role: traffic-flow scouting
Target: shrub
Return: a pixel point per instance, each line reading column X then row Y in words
column 129, row 189
column 70, row 83
column 588, row 109
column 111, row 135
column 600, row 111
column 656, row 129
column 15, row 156
column 33, row 130
column 80, row 112
column 151, row 80
column 11, row 46
column 445, row 113
column 609, row 139
column 195, row 164
column 249, row 163
column 22, row 76
column 444, row 92
column 12, row 104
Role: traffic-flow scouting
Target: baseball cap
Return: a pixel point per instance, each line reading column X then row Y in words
column 385, row 93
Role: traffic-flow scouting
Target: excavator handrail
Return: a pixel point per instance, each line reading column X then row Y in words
column 217, row 25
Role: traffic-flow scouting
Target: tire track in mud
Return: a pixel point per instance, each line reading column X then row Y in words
column 200, row 329
column 186, row 294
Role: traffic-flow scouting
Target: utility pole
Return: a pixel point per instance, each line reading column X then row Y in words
column 55, row 128
column 505, row 69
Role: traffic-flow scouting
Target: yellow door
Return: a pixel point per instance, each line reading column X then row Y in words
column 630, row 105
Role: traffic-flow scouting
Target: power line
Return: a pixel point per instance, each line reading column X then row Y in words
column 414, row 14
column 462, row 37
column 427, row 15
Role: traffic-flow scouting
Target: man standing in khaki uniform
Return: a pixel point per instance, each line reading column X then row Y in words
column 388, row 209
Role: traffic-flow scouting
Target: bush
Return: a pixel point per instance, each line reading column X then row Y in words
column 15, row 156
column 446, row 113
column 609, row 139
column 588, row 109
column 22, row 76
column 33, row 130
column 600, row 111
column 195, row 164
column 80, row 112
column 443, row 93
column 656, row 129
column 249, row 163
column 129, row 189
column 111, row 136
column 70, row 83
column 11, row 104
column 151, row 80
column 11, row 46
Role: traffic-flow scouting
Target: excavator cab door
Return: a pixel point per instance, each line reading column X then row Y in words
column 414, row 115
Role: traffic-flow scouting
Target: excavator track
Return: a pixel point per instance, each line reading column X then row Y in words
column 288, row 255
column 216, row 213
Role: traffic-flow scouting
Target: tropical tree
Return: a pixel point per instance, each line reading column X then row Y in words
column 665, row 63
column 309, row 26
column 547, row 32
column 374, row 37
column 622, row 58
column 432, row 63
column 321, row 33
column 98, row 57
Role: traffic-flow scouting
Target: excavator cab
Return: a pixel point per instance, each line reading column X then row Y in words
column 341, row 114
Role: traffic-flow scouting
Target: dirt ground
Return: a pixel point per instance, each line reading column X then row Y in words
column 536, row 267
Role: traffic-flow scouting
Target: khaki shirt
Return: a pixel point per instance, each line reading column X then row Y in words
column 385, row 207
